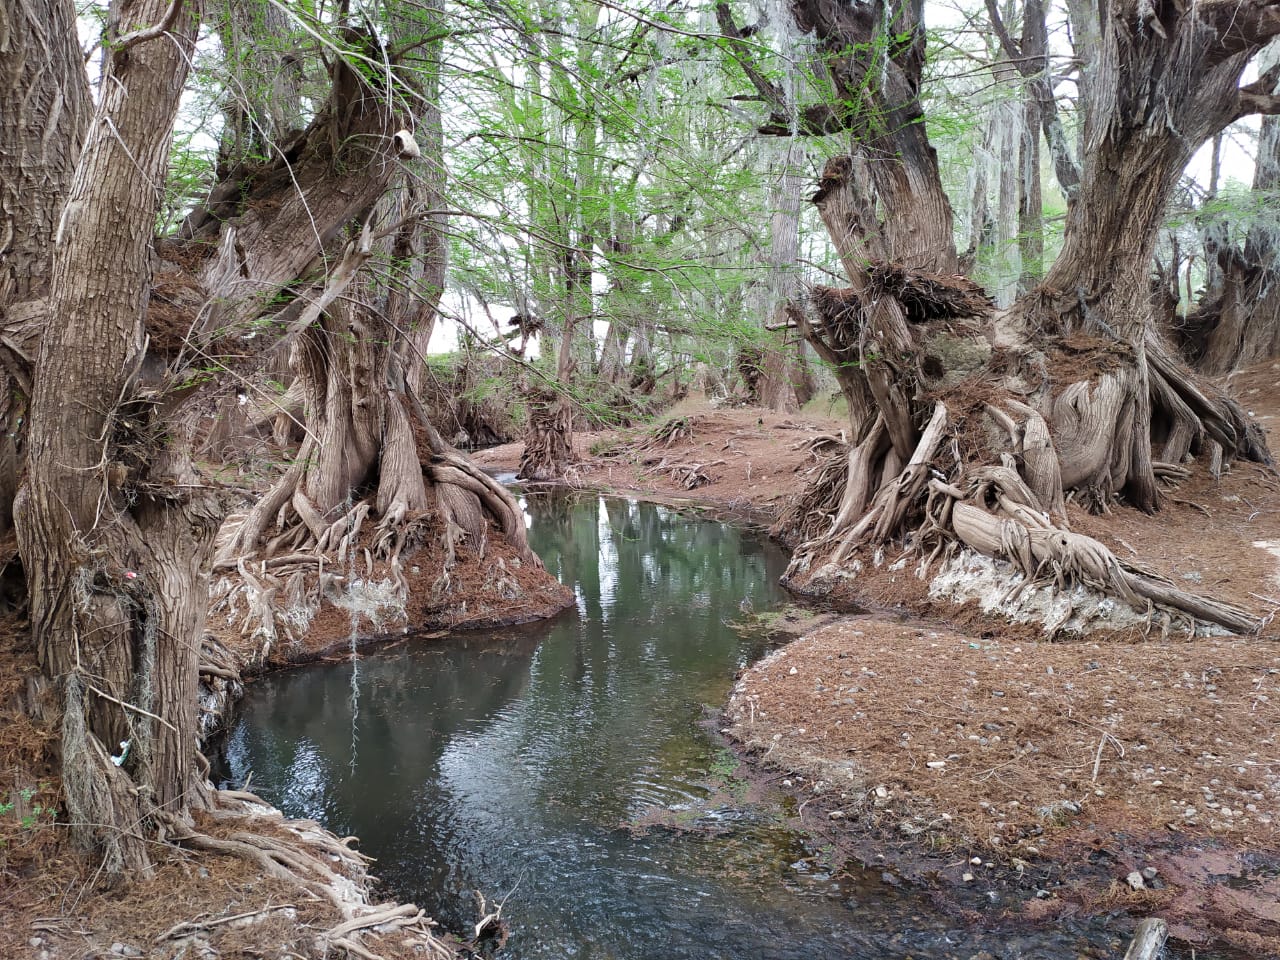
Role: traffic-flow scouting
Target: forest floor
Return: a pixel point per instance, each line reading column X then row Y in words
column 977, row 757
column 919, row 737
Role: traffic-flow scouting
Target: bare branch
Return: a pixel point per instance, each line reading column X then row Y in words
column 1261, row 96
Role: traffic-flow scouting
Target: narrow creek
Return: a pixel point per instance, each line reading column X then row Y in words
column 569, row 767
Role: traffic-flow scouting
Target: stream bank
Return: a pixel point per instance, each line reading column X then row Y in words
column 572, row 769
column 1181, row 731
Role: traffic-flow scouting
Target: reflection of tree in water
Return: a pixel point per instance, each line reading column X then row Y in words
column 658, row 591
column 513, row 756
column 297, row 727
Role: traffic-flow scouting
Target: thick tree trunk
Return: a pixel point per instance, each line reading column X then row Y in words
column 44, row 111
column 1238, row 322
column 113, row 530
column 420, row 249
column 970, row 427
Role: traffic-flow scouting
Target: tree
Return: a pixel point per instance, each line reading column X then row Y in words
column 126, row 344
column 1237, row 322
column 972, row 425
column 113, row 547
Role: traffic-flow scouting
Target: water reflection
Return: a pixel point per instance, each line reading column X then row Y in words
column 507, row 762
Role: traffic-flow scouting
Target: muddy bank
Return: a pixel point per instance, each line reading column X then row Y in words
column 236, row 649
column 214, row 903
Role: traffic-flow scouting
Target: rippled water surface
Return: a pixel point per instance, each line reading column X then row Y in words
column 566, row 766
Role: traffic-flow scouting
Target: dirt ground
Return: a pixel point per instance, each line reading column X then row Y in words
column 752, row 460
column 991, row 751
column 972, row 753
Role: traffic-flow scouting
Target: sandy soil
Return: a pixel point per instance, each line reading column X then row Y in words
column 1060, row 768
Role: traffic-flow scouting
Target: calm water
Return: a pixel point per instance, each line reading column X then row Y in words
column 566, row 766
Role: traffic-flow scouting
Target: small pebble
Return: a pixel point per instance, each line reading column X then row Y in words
column 966, row 876
column 1149, row 873
column 1135, row 881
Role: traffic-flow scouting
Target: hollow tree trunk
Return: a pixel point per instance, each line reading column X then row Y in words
column 113, row 534
column 548, row 441
column 548, row 444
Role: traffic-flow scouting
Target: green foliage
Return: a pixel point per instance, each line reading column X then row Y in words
column 34, row 814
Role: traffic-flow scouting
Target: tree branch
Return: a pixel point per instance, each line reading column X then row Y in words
column 1260, row 96
column 1242, row 25
column 770, row 92
column 136, row 37
column 1011, row 49
column 1033, row 64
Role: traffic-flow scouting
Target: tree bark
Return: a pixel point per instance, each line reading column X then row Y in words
column 113, row 530
column 44, row 112
column 970, row 426
column 783, row 377
column 1238, row 322
column 263, row 99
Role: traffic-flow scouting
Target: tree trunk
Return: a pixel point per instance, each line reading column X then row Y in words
column 44, row 111
column 113, row 529
column 1238, row 322
column 263, row 102
column 420, row 250
column 969, row 426
column 782, row 377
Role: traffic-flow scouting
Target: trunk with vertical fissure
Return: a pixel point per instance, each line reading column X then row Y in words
column 971, row 426
column 113, row 527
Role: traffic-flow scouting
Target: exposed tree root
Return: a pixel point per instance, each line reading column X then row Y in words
column 1012, row 433
column 548, row 445
column 319, row 865
column 688, row 475
column 290, row 554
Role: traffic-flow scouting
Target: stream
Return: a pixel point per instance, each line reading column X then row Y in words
column 570, row 767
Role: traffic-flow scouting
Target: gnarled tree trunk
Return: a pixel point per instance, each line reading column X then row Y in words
column 972, row 426
column 1238, row 322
